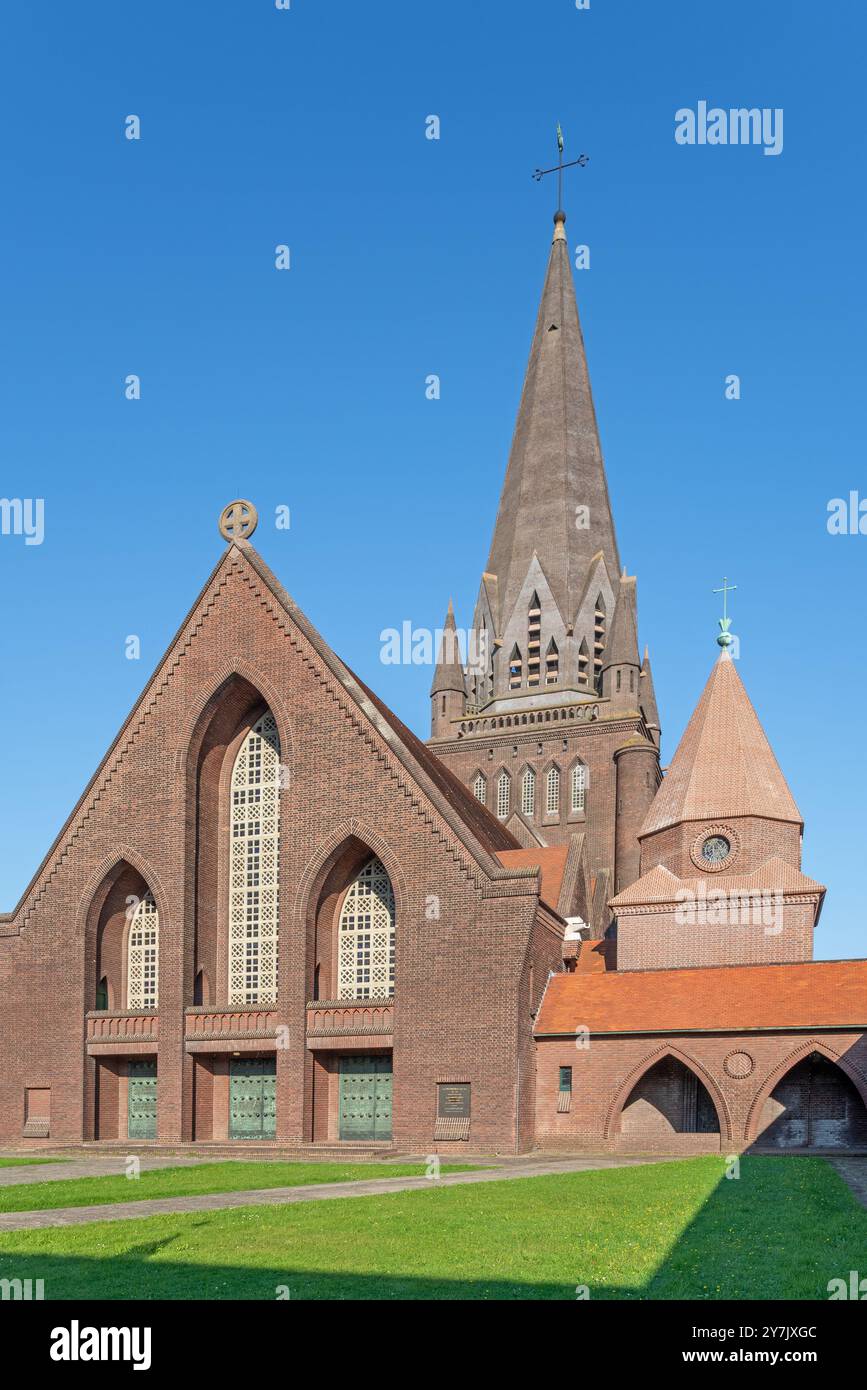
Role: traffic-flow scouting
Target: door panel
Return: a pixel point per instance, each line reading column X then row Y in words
column 142, row 1100
column 252, row 1098
column 365, row 1097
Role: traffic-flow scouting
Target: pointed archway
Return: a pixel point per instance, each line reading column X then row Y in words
column 667, row 1095
column 811, row 1102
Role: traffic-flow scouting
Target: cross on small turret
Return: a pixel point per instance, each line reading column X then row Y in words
column 558, row 168
column 725, row 639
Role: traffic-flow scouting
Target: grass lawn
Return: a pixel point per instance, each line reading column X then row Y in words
column 28, row 1162
column 185, row 1182
column 672, row 1230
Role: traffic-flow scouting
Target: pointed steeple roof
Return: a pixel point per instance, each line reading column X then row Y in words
column 449, row 674
column 647, row 698
column 622, row 646
column 555, row 465
column 724, row 766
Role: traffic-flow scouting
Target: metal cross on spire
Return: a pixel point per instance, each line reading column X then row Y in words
column 558, row 168
column 725, row 638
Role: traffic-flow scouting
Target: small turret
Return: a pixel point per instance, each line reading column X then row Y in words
column 448, row 689
column 621, row 667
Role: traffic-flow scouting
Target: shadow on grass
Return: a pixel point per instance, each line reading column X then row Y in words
column 780, row 1230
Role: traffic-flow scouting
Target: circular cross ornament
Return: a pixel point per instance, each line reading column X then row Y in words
column 238, row 521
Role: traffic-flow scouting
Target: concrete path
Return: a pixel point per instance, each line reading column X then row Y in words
column 853, row 1171
column 104, row 1167
column 315, row 1192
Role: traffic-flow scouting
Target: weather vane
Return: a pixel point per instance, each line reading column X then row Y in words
column 725, row 638
column 558, row 168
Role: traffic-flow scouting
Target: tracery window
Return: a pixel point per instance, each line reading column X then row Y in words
column 254, row 866
column 552, row 792
column 143, row 957
column 480, row 788
column 578, row 787
column 365, row 966
column 504, row 794
column 528, row 792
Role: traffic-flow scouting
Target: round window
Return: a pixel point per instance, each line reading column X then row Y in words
column 715, row 849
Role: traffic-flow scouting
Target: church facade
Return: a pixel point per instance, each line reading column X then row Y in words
column 277, row 917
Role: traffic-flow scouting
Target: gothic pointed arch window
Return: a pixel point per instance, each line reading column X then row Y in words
column 254, row 866
column 583, row 663
column 577, row 788
column 480, row 788
column 599, row 623
column 365, row 950
column 516, row 669
column 552, row 663
column 552, row 792
column 504, row 794
column 528, row 792
column 534, row 640
column 143, row 956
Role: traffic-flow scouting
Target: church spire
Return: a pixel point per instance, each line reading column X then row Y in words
column 554, row 501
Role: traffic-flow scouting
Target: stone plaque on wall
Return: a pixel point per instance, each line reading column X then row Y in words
column 453, row 1100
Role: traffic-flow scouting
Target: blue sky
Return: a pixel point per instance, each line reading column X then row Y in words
column 306, row 388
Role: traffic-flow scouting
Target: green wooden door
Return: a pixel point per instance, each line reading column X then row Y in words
column 142, row 1100
column 253, row 1098
column 365, row 1097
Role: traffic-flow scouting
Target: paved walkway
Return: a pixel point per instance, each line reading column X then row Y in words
column 854, row 1172
column 102, row 1167
column 315, row 1192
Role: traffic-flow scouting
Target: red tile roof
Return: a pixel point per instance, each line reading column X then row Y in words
column 736, row 998
column 594, row 957
column 660, row 885
column 551, row 859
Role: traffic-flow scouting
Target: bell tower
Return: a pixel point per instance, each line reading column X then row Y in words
column 554, row 685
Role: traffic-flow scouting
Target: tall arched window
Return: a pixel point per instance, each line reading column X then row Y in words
column 534, row 640
column 552, row 663
column 504, row 789
column 365, row 965
column 143, row 957
column 552, row 792
column 254, row 866
column 528, row 792
column 577, row 787
column 598, row 640
column 583, row 663
column 480, row 788
column 516, row 669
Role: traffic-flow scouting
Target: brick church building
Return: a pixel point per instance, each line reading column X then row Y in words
column 278, row 917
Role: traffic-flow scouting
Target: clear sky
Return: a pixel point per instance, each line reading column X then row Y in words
column 411, row 257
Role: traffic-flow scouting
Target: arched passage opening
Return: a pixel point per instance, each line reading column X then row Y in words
column 668, row 1099
column 815, row 1105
